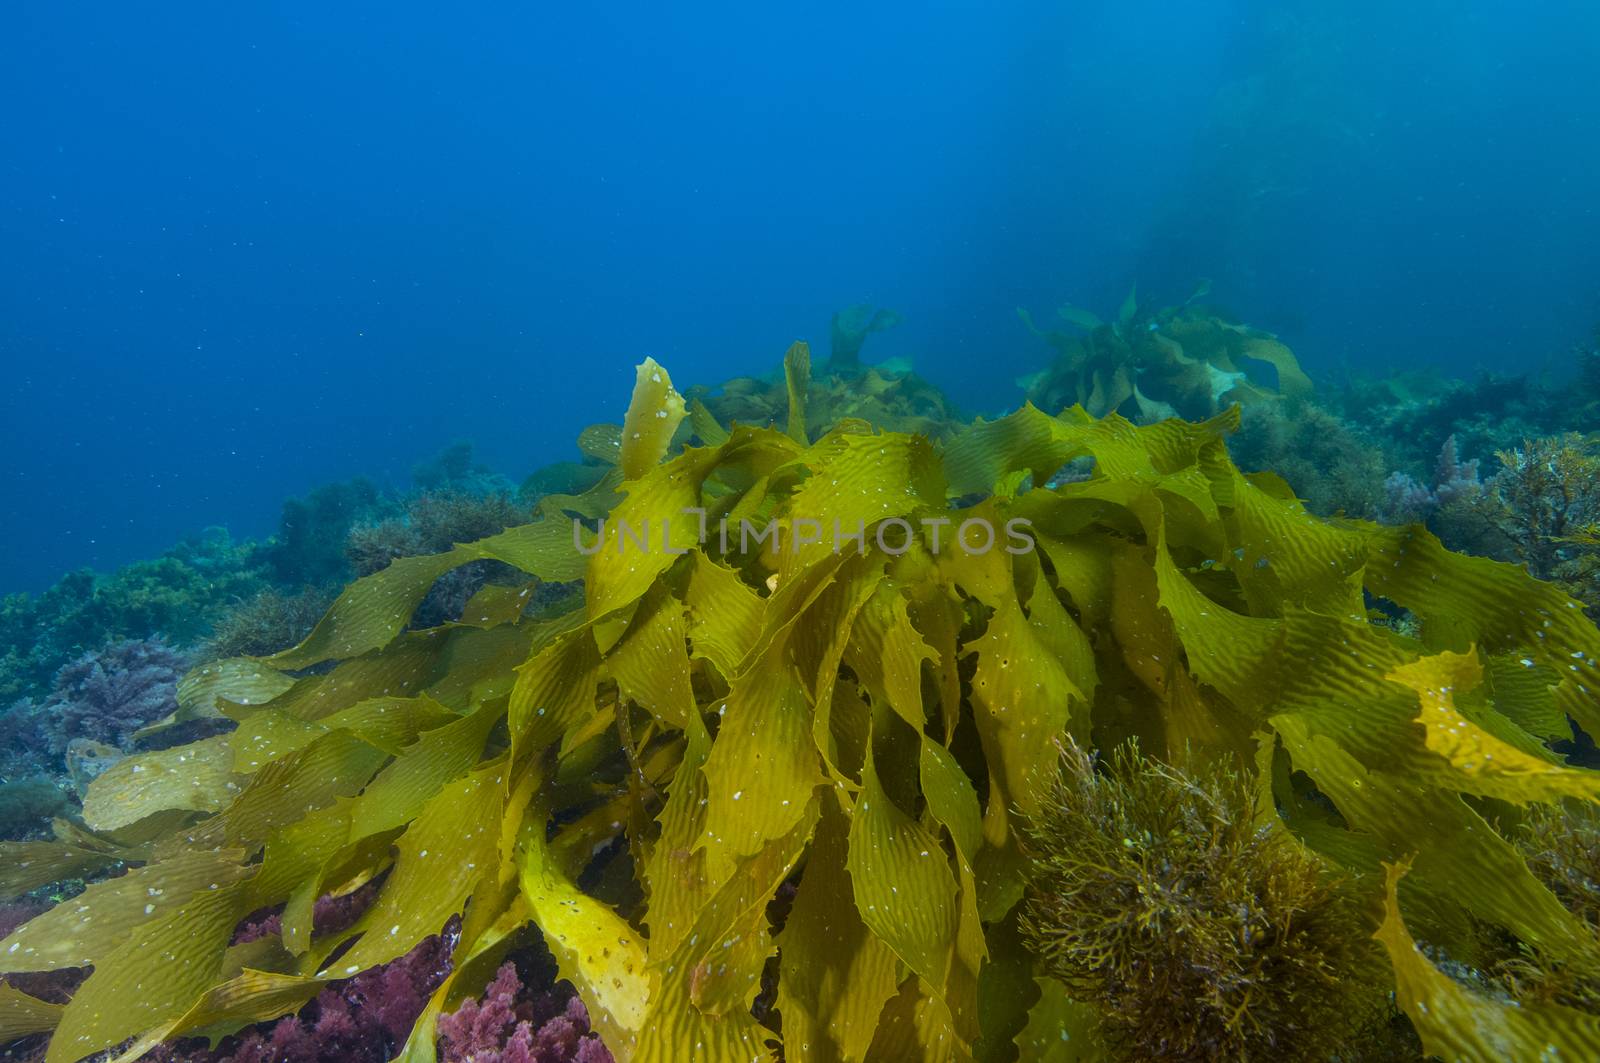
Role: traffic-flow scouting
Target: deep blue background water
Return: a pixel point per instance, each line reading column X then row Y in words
column 247, row 251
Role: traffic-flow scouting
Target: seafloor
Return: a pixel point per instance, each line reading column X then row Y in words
column 1275, row 741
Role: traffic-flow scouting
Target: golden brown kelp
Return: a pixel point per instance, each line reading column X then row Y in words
column 884, row 397
column 1150, row 365
column 716, row 721
column 849, row 330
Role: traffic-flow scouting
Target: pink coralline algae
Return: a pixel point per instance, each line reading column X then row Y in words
column 367, row 1019
column 514, row 1024
column 364, row 1020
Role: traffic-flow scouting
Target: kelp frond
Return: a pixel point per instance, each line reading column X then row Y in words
column 1151, row 364
column 871, row 718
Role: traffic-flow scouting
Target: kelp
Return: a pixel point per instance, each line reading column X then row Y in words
column 1153, row 364
column 818, row 399
column 849, row 330
column 856, row 707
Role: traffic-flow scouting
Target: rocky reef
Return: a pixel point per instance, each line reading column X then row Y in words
column 1090, row 732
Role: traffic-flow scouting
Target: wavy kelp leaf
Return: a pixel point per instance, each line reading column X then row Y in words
column 653, row 416
column 903, row 886
column 389, row 724
column 1524, row 691
column 479, row 667
column 1234, row 653
column 496, row 604
column 603, row 442
column 370, row 612
column 675, row 870
column 1487, row 765
column 1028, row 439
column 705, row 425
column 1265, row 347
column 1285, row 556
column 595, row 949
column 554, row 692
column 700, row 1008
column 723, row 958
column 336, row 765
column 453, row 843
column 81, row 932
column 821, row 647
column 1456, row 1023
column 1458, row 856
column 155, row 975
column 22, row 1015
column 762, row 767
column 204, row 691
column 404, row 787
column 192, row 778
column 916, row 1024
column 651, row 664
column 856, row 482
column 887, row 654
column 406, row 664
column 724, row 615
column 834, row 973
column 650, row 530
column 25, row 866
column 1022, row 699
column 250, row 997
column 797, row 377
column 1464, row 601
column 263, row 737
column 292, row 865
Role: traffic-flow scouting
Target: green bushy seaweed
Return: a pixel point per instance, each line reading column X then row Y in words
column 713, row 722
column 309, row 545
column 1198, row 926
column 268, row 621
column 433, row 521
column 1153, row 364
column 179, row 595
column 1335, row 467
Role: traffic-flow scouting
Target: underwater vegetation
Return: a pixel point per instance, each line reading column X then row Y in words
column 178, row 596
column 1200, row 927
column 92, row 716
column 798, row 794
column 849, row 330
column 1151, row 364
column 889, row 395
column 70, row 658
column 1336, row 468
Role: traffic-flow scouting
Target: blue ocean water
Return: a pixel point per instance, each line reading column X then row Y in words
column 248, row 250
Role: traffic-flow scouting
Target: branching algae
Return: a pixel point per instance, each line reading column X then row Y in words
column 714, row 724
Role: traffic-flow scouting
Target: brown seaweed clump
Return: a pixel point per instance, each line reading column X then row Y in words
column 1562, row 846
column 1195, row 925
